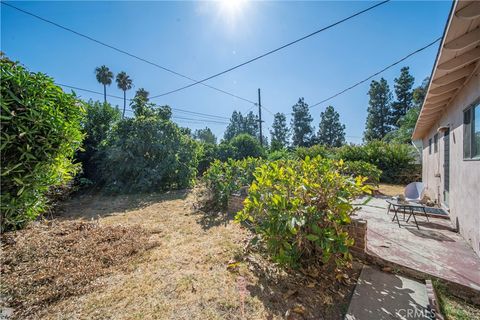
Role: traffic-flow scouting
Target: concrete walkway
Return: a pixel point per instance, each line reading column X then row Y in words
column 432, row 251
column 380, row 295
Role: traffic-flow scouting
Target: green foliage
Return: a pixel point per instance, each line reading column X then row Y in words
column 242, row 124
column 302, row 130
column 406, row 125
column 246, row 146
column 104, row 76
column 379, row 112
column 362, row 169
column 396, row 161
column 330, row 132
column 148, row 153
column 205, row 135
column 282, row 154
column 97, row 124
column 300, row 209
column 40, row 134
column 225, row 178
column 280, row 132
column 313, row 151
column 207, row 154
column 404, row 93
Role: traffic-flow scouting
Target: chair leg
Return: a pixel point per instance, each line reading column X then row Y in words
column 425, row 212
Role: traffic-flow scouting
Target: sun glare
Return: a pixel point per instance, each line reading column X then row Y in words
column 231, row 7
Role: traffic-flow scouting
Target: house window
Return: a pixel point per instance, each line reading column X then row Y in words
column 430, row 146
column 471, row 132
column 435, row 143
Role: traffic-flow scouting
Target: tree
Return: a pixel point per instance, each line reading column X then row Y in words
column 301, row 124
column 205, row 135
column 242, row 124
column 104, row 76
column 379, row 112
column 331, row 132
column 142, row 94
column 245, row 145
column 406, row 124
column 280, row 132
column 97, row 124
column 124, row 83
column 403, row 92
column 420, row 92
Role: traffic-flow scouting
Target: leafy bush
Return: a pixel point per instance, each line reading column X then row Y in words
column 362, row 169
column 396, row 161
column 40, row 134
column 280, row 154
column 225, row 151
column 206, row 155
column 148, row 153
column 225, row 178
column 300, row 209
column 97, row 124
column 246, row 146
column 313, row 151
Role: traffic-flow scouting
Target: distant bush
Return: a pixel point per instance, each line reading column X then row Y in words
column 246, row 146
column 362, row 169
column 98, row 122
column 225, row 178
column 40, row 134
column 280, row 154
column 313, row 151
column 396, row 161
column 148, row 153
column 300, row 209
column 206, row 155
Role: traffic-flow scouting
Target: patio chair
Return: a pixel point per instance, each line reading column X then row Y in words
column 413, row 192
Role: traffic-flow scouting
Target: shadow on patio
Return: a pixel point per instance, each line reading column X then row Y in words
column 433, row 250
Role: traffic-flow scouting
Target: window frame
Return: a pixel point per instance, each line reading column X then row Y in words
column 471, row 144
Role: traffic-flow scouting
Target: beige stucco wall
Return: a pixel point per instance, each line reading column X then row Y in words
column 464, row 197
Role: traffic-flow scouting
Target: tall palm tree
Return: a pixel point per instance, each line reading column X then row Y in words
column 124, row 83
column 104, row 76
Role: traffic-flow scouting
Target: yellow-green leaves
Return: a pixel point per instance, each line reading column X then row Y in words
column 300, row 208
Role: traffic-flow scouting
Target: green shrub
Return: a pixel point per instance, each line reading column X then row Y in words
column 362, row 169
column 207, row 154
column 97, row 124
column 40, row 134
column 313, row 151
column 225, row 178
column 281, row 154
column 246, row 146
column 396, row 161
column 300, row 209
column 225, row 151
column 148, row 153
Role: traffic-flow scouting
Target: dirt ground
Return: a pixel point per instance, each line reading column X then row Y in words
column 200, row 269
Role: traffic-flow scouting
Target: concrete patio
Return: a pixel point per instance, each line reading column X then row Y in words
column 434, row 250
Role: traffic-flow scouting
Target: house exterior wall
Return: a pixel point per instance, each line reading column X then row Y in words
column 464, row 194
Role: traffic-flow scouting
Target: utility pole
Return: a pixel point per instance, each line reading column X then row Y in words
column 260, row 117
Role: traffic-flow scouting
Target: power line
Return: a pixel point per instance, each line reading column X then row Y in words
column 124, row 52
column 377, row 73
column 273, row 51
column 118, row 97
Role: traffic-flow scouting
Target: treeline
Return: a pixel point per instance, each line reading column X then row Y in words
column 394, row 119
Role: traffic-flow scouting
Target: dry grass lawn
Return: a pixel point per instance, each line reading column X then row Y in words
column 199, row 269
column 391, row 190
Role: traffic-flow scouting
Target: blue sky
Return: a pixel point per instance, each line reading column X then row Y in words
column 202, row 38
